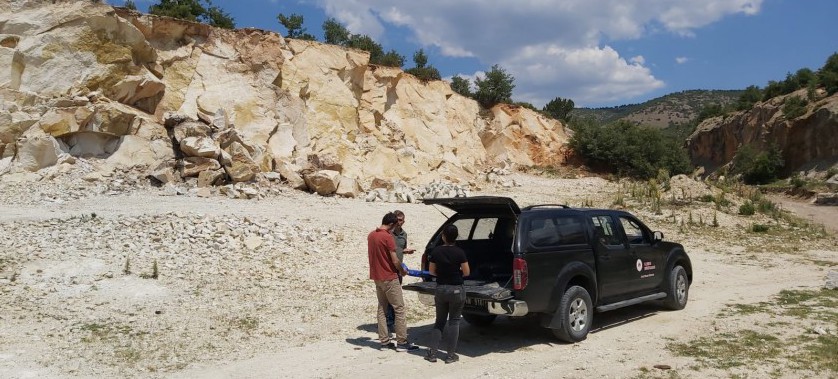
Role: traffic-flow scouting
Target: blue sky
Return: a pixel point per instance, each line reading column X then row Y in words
column 595, row 52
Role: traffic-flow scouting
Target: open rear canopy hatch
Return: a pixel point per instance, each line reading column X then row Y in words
column 496, row 205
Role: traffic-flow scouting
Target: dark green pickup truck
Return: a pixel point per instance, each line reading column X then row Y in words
column 558, row 262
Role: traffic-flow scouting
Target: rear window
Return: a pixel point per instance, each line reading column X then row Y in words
column 551, row 231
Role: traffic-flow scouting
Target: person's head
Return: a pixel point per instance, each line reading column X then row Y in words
column 389, row 219
column 399, row 218
column 450, row 233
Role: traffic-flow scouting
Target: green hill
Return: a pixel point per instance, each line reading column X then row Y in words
column 662, row 112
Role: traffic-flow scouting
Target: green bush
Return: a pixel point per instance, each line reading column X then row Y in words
column 628, row 149
column 193, row 10
column 757, row 167
column 759, row 228
column 335, row 33
column 707, row 198
column 494, row 88
column 828, row 74
column 797, row 181
column 422, row 70
column 766, row 206
column 747, row 209
column 559, row 109
column 794, row 107
column 294, row 25
column 748, row 98
column 461, row 85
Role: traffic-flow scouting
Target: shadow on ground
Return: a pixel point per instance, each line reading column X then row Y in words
column 506, row 334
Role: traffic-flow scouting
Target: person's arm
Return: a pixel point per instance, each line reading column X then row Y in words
column 432, row 268
column 465, row 269
column 397, row 263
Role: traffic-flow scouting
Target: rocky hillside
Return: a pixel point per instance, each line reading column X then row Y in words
column 808, row 141
column 186, row 100
column 662, row 112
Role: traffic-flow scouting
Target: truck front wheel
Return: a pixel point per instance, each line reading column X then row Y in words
column 679, row 289
column 575, row 314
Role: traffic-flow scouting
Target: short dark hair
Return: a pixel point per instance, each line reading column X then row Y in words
column 389, row 219
column 450, row 233
column 398, row 213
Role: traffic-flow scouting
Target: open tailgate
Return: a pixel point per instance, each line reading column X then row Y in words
column 474, row 289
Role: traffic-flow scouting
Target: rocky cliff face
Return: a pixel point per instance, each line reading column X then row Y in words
column 808, row 142
column 85, row 79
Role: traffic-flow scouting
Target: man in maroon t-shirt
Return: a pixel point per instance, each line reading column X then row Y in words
column 384, row 269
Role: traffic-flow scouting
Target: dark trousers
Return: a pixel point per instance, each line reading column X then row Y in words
column 390, row 314
column 449, row 301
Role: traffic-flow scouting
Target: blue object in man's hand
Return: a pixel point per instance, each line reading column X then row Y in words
column 416, row 273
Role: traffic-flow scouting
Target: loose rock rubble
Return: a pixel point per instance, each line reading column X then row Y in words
column 403, row 193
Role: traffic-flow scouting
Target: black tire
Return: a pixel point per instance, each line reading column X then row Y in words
column 678, row 289
column 575, row 312
column 481, row 321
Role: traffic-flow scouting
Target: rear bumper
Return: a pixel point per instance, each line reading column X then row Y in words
column 514, row 308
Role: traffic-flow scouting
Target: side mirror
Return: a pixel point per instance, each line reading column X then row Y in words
column 657, row 236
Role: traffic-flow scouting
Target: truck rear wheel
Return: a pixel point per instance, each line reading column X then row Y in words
column 679, row 289
column 575, row 313
column 479, row 320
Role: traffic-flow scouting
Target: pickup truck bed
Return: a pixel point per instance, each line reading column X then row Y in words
column 474, row 289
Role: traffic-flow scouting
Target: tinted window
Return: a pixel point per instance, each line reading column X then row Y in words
column 634, row 232
column 549, row 230
column 605, row 231
column 485, row 228
column 476, row 229
column 464, row 228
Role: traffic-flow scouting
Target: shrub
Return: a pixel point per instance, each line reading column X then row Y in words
column 797, row 181
column 794, row 107
column 710, row 111
column 758, row 167
column 461, row 85
column 759, row 228
column 390, row 59
column 747, row 209
column 628, row 149
column 335, row 33
column 494, row 88
column 748, row 98
column 422, row 70
column 766, row 206
column 828, row 74
column 294, row 25
column 707, row 198
column 559, row 108
column 193, row 10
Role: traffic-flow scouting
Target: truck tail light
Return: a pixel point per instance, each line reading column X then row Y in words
column 519, row 274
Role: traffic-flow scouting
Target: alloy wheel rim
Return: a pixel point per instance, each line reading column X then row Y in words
column 578, row 315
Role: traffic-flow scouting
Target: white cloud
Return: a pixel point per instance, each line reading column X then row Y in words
column 547, row 37
column 585, row 75
column 681, row 60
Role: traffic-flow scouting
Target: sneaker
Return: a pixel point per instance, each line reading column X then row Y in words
column 388, row 346
column 407, row 346
column 451, row 358
column 430, row 357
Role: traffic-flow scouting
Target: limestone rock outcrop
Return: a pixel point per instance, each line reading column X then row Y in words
column 809, row 141
column 144, row 90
